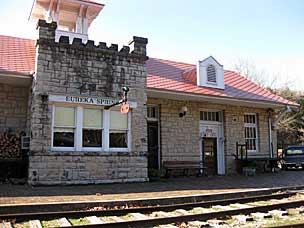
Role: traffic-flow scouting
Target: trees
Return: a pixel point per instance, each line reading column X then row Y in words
column 291, row 127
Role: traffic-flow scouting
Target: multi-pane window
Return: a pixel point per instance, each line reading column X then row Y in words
column 64, row 127
column 152, row 112
column 118, row 130
column 210, row 116
column 251, row 137
column 92, row 128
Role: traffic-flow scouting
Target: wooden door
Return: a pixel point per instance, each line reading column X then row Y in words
column 153, row 145
column 210, row 155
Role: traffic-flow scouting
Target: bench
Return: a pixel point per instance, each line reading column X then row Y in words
column 185, row 166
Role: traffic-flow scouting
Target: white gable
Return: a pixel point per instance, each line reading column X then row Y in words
column 210, row 73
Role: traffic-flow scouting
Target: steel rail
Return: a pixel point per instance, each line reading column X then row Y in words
column 186, row 218
column 21, row 217
column 170, row 200
column 296, row 225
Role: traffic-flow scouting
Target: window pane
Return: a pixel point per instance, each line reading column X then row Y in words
column 63, row 137
column 118, row 139
column 217, row 116
column 118, row 120
column 209, row 116
column 92, row 138
column 64, row 116
column 92, row 118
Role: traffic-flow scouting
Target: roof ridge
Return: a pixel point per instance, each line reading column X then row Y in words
column 173, row 61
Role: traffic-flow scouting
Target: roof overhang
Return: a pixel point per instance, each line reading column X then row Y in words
column 69, row 9
column 174, row 95
column 15, row 78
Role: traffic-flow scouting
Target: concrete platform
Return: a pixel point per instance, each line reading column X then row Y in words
column 25, row 194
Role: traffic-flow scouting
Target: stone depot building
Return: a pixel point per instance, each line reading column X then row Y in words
column 56, row 91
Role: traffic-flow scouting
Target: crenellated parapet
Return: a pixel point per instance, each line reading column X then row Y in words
column 71, row 68
column 136, row 48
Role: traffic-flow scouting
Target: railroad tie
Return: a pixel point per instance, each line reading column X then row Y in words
column 5, row 225
column 294, row 211
column 241, row 219
column 168, row 226
column 215, row 222
column 198, row 224
column 260, row 215
column 116, row 219
column 273, row 201
column 223, row 208
column 278, row 213
column 199, row 210
column 182, row 212
column 161, row 214
column 240, row 205
column 139, row 216
column 64, row 222
column 35, row 224
column 95, row 220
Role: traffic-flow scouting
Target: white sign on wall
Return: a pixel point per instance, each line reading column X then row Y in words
column 87, row 100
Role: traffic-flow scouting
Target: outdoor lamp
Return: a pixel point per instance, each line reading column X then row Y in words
column 183, row 111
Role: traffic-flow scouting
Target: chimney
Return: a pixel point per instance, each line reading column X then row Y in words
column 138, row 45
column 46, row 30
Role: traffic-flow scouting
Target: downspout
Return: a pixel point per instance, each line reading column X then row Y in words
column 270, row 135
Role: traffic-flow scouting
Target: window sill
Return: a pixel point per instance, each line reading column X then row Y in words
column 91, row 150
column 211, row 83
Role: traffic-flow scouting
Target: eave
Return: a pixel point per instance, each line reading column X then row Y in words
column 184, row 96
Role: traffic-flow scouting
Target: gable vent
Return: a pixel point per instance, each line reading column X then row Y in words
column 211, row 74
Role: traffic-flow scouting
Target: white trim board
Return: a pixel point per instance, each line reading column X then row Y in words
column 88, row 100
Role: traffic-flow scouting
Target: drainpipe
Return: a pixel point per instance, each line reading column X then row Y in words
column 270, row 135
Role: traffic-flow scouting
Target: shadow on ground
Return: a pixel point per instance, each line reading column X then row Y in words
column 166, row 187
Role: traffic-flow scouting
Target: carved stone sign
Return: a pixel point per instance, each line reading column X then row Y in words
column 87, row 100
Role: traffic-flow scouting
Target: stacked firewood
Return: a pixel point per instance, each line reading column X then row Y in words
column 10, row 146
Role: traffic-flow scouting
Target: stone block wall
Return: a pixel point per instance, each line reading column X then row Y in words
column 62, row 68
column 13, row 108
column 180, row 136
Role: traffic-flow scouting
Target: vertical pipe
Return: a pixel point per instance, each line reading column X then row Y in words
column 270, row 137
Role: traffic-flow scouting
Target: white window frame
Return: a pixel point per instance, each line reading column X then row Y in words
column 113, row 149
column 220, row 112
column 83, row 148
column 255, row 125
column 79, row 128
column 74, row 127
column 149, row 118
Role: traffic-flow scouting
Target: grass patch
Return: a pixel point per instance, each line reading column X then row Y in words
column 50, row 223
column 22, row 225
column 81, row 221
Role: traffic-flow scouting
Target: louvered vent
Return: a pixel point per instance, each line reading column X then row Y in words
column 211, row 74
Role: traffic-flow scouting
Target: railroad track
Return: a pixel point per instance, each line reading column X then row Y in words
column 180, row 215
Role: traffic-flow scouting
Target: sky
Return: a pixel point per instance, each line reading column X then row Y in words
column 268, row 34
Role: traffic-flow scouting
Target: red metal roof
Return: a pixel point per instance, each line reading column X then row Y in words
column 181, row 77
column 17, row 54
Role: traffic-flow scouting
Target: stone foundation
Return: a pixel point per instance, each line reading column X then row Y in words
column 87, row 169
